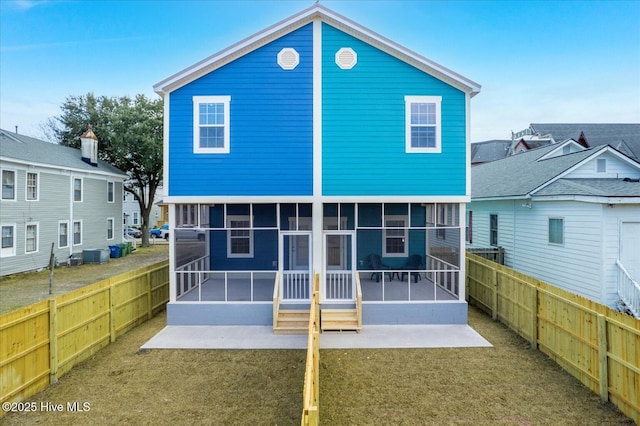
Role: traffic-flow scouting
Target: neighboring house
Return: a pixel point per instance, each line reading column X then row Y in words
column 624, row 137
column 563, row 213
column 484, row 152
column 132, row 215
column 317, row 147
column 53, row 194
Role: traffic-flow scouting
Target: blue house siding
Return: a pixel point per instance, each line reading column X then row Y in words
column 364, row 126
column 271, row 119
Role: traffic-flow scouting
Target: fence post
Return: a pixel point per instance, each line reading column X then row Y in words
column 534, row 318
column 603, row 358
column 494, row 296
column 149, row 304
column 53, row 341
column 112, row 314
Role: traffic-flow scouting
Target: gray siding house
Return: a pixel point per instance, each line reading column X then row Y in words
column 52, row 194
column 565, row 214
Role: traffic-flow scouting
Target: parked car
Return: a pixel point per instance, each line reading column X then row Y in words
column 132, row 232
column 189, row 233
column 158, row 232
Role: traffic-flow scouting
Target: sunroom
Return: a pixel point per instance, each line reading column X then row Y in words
column 395, row 257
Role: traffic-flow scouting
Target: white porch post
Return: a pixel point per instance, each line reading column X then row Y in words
column 462, row 279
column 172, row 262
column 317, row 237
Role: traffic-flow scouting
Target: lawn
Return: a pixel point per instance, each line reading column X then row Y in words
column 508, row 384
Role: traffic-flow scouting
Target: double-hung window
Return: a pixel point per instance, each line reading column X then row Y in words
column 77, row 189
column 32, row 187
column 110, row 228
column 395, row 242
column 239, row 236
column 77, row 232
column 8, row 185
column 211, row 124
column 493, row 230
column 63, row 234
column 31, row 238
column 110, row 192
column 423, row 124
column 8, row 240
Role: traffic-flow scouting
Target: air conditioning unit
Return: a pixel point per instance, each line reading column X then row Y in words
column 95, row 255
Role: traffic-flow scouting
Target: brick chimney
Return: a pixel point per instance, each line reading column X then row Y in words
column 89, row 147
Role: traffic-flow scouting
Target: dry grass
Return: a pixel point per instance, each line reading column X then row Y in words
column 508, row 384
column 24, row 289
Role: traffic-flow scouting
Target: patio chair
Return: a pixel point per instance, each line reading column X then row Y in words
column 414, row 262
column 374, row 262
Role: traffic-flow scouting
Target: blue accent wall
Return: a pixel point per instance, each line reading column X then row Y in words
column 363, row 126
column 271, row 133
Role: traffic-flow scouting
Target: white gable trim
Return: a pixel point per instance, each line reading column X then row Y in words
column 596, row 153
column 561, row 145
column 298, row 20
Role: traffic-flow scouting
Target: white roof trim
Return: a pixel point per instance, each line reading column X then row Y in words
column 298, row 20
column 95, row 171
column 561, row 145
column 596, row 153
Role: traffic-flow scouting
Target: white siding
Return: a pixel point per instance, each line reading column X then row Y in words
column 480, row 226
column 54, row 205
column 574, row 265
column 613, row 218
column 616, row 168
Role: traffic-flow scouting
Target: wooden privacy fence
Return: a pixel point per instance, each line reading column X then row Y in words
column 43, row 341
column 310, row 397
column 594, row 343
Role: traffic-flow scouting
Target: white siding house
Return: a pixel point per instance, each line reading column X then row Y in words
column 52, row 194
column 564, row 216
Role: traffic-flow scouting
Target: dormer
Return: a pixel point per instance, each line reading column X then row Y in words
column 89, row 147
column 567, row 147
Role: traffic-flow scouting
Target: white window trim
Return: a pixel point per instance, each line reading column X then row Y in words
column 9, row 251
column 26, row 234
column 60, row 222
column 113, row 228
column 72, row 233
column 497, row 242
column 229, row 229
column 602, row 161
column 405, row 219
column 437, row 100
column 73, row 189
column 15, row 185
column 549, row 231
column 113, row 194
column 26, row 186
column 197, row 100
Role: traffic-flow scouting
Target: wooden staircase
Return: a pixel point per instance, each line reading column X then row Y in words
column 292, row 321
column 339, row 320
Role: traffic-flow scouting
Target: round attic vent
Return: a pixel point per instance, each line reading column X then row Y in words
column 288, row 58
column 346, row 58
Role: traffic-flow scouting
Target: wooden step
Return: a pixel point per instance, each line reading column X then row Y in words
column 339, row 320
column 292, row 321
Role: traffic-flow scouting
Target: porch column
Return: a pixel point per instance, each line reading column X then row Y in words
column 316, row 245
column 462, row 221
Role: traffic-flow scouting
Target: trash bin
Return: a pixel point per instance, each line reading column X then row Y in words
column 115, row 251
column 128, row 245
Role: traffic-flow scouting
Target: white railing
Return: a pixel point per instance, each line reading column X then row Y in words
column 628, row 290
column 339, row 285
column 217, row 286
column 444, row 274
column 296, row 286
column 187, row 282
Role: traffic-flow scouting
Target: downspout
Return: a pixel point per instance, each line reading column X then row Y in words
column 70, row 224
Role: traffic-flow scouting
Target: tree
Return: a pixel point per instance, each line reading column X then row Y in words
column 130, row 135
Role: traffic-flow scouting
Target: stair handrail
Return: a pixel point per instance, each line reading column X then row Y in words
column 311, row 388
column 359, row 301
column 628, row 290
column 276, row 300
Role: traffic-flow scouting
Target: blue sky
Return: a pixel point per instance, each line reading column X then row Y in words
column 537, row 61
